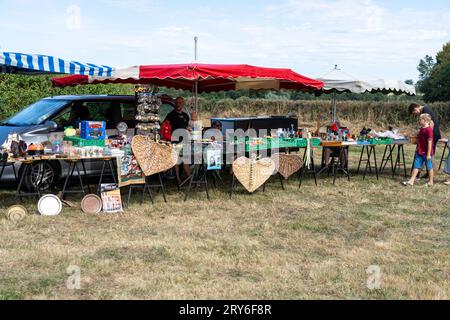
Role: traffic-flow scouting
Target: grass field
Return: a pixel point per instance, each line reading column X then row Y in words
column 308, row 243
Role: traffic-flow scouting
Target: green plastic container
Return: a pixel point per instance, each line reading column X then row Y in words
column 303, row 143
column 78, row 142
column 375, row 141
column 384, row 141
column 285, row 143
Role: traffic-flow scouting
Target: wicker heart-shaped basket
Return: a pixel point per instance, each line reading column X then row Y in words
column 253, row 174
column 153, row 157
column 287, row 164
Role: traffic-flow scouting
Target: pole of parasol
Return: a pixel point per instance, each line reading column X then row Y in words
column 334, row 106
column 196, row 80
column 334, row 98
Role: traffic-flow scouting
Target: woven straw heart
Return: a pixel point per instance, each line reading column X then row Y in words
column 253, row 174
column 287, row 164
column 153, row 157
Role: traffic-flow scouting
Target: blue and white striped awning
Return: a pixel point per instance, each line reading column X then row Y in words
column 49, row 64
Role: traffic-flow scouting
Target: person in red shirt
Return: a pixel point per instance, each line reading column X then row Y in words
column 425, row 150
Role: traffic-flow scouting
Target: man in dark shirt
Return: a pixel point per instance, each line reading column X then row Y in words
column 416, row 109
column 179, row 120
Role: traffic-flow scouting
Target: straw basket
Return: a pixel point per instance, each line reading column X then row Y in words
column 16, row 213
column 253, row 174
column 153, row 157
column 287, row 164
column 413, row 139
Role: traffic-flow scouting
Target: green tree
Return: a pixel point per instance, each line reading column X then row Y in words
column 425, row 66
column 443, row 55
column 434, row 77
column 438, row 85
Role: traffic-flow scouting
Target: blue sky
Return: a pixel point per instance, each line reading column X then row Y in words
column 364, row 37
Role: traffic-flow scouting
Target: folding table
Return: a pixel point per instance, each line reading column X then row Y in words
column 388, row 157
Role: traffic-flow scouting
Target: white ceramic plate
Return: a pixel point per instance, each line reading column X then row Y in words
column 49, row 205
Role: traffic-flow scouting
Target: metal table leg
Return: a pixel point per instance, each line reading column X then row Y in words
column 101, row 177
column 37, row 185
column 385, row 160
column 311, row 169
column 147, row 188
column 400, row 160
column 73, row 165
column 163, row 190
column 371, row 152
column 191, row 181
column 112, row 167
column 86, row 176
column 361, row 159
column 443, row 156
column 233, row 185
column 159, row 186
column 404, row 161
column 19, row 187
column 376, row 164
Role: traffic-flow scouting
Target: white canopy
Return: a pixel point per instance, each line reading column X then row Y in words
column 339, row 81
column 391, row 86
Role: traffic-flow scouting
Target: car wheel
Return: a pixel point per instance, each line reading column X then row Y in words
column 44, row 173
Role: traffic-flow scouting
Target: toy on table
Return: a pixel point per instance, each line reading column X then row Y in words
column 93, row 130
column 70, row 132
column 337, row 133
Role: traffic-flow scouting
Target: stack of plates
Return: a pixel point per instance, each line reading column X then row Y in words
column 50, row 205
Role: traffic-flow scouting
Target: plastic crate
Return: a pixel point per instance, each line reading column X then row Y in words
column 79, row 142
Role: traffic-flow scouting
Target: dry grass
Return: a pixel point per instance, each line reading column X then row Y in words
column 316, row 242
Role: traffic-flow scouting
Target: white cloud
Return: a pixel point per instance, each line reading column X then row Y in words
column 362, row 35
